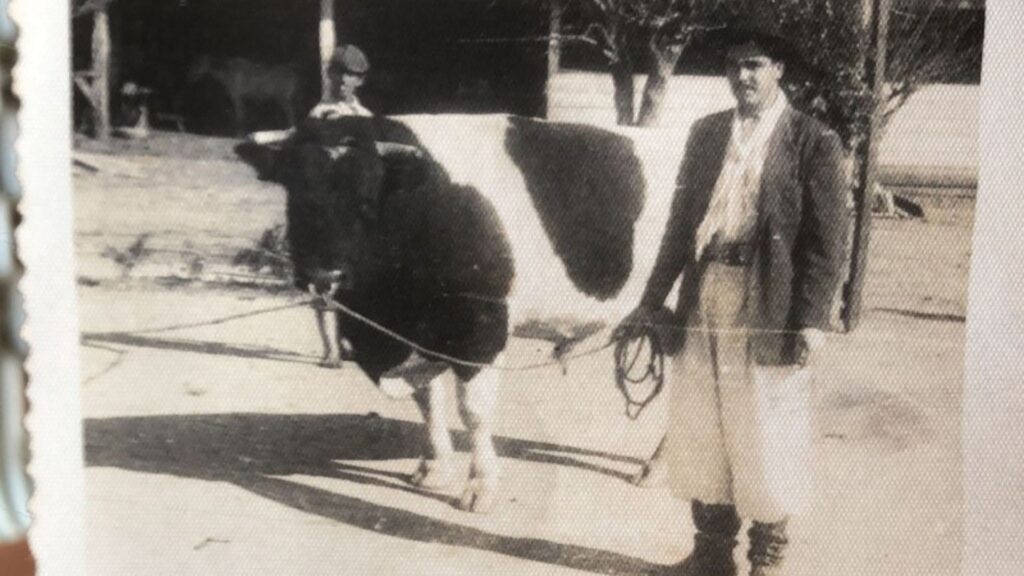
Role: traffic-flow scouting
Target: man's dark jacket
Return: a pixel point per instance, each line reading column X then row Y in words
column 800, row 239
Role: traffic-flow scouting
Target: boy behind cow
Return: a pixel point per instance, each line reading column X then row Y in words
column 346, row 73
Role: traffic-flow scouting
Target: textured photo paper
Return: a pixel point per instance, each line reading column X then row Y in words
column 14, row 485
column 520, row 288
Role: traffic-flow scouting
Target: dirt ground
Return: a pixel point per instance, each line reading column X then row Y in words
column 222, row 448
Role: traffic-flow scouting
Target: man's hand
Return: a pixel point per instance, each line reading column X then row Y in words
column 808, row 342
column 637, row 319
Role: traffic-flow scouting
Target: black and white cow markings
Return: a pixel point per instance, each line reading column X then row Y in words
column 451, row 230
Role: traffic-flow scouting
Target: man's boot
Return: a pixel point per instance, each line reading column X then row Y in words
column 717, row 526
column 767, row 545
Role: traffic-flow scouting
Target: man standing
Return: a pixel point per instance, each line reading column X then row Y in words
column 757, row 232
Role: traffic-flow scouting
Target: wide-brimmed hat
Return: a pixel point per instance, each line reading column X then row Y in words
column 349, row 58
column 746, row 29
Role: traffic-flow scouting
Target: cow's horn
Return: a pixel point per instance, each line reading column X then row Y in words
column 270, row 137
column 394, row 148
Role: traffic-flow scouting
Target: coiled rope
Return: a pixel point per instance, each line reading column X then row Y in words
column 628, row 351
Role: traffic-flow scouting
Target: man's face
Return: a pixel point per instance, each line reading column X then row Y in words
column 753, row 76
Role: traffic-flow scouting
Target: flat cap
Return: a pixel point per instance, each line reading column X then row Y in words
column 349, row 58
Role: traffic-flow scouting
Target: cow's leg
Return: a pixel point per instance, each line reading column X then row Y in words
column 653, row 473
column 435, row 467
column 477, row 400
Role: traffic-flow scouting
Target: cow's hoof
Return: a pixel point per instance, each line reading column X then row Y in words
column 432, row 475
column 652, row 475
column 479, row 496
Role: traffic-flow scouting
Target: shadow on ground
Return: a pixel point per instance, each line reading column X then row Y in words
column 253, row 450
column 920, row 315
column 97, row 339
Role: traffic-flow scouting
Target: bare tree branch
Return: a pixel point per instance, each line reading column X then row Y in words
column 928, row 48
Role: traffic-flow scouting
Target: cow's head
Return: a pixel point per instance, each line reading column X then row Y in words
column 334, row 174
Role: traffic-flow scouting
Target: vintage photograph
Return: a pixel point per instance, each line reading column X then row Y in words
column 644, row 287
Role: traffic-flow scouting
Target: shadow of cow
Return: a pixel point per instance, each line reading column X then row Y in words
column 254, row 452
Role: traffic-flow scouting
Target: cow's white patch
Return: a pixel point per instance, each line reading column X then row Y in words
column 472, row 150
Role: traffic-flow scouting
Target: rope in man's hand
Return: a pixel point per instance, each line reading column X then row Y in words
column 630, row 350
column 642, row 340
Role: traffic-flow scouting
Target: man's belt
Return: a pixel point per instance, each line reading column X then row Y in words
column 730, row 254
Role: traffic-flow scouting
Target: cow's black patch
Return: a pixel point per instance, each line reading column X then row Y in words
column 588, row 186
column 389, row 130
column 442, row 272
column 429, row 258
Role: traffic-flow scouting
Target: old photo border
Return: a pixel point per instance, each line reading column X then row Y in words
column 993, row 433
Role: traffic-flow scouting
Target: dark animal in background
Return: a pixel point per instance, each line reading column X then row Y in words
column 248, row 84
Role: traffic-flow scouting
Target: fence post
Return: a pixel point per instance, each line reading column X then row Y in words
column 101, row 71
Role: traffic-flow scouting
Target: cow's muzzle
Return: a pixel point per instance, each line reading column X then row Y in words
column 327, row 283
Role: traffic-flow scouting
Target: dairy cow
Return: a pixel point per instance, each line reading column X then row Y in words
column 471, row 226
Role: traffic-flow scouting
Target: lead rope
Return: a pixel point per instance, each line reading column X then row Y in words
column 328, row 302
column 645, row 338
column 626, row 379
column 625, row 362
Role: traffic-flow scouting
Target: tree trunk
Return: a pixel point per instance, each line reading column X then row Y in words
column 665, row 60
column 328, row 42
column 622, row 68
column 555, row 37
column 853, row 292
column 554, row 51
column 622, row 78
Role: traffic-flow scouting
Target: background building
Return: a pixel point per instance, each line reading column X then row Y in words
column 440, row 55
column 460, row 56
